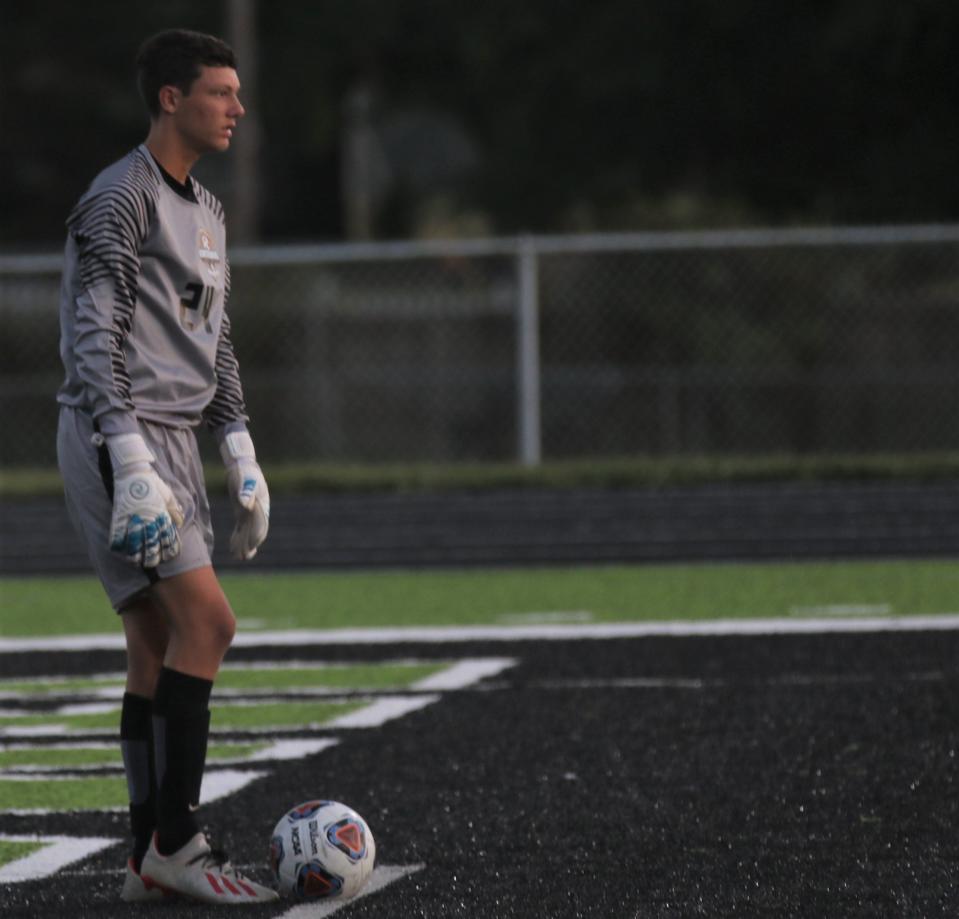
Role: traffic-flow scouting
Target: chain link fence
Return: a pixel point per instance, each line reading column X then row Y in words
column 794, row 341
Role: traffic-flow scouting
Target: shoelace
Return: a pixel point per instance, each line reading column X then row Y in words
column 214, row 858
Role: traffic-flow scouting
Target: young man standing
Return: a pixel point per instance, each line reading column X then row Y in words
column 145, row 342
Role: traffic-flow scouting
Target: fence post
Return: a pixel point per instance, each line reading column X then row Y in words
column 529, row 448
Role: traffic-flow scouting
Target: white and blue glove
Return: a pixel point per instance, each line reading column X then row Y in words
column 146, row 514
column 251, row 498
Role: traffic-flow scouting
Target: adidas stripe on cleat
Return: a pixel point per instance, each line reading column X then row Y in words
column 201, row 873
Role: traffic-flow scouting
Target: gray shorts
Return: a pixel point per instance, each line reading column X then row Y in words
column 91, row 507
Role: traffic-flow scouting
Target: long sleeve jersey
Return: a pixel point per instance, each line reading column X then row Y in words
column 144, row 331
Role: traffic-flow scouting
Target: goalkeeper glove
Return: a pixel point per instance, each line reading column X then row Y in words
column 145, row 512
column 251, row 499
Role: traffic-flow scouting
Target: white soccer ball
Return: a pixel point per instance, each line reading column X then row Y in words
column 321, row 849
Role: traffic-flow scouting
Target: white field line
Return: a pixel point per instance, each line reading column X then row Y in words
column 382, row 876
column 373, row 715
column 57, row 853
column 73, row 745
column 455, row 675
column 44, row 730
column 86, row 708
column 106, row 693
column 381, row 711
column 217, row 783
column 220, row 783
column 43, row 772
column 556, row 632
column 464, row 673
column 37, row 772
column 285, row 750
column 377, row 712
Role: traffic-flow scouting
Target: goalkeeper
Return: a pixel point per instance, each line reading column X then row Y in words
column 145, row 343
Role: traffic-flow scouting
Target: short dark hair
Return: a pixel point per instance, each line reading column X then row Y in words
column 174, row 58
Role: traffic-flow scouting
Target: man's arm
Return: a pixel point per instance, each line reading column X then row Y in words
column 226, row 416
column 106, row 233
column 227, row 407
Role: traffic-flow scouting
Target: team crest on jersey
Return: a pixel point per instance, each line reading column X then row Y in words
column 206, row 250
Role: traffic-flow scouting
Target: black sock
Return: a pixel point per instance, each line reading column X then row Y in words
column 136, row 744
column 181, row 725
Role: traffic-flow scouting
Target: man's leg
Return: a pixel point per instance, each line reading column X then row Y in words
column 201, row 626
column 146, row 639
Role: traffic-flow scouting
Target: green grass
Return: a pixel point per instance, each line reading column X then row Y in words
column 90, row 793
column 75, row 757
column 76, row 605
column 54, row 756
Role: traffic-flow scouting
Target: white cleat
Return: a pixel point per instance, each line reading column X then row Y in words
column 137, row 890
column 200, row 873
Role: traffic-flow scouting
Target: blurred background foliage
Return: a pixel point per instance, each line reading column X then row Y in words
column 546, row 116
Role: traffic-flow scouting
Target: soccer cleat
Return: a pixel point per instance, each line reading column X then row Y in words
column 200, row 873
column 138, row 890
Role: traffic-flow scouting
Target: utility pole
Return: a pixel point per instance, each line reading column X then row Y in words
column 356, row 164
column 245, row 208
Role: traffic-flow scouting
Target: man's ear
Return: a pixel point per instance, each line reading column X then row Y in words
column 169, row 99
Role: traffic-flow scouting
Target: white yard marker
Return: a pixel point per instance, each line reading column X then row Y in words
column 73, row 745
column 382, row 710
column 464, row 673
column 220, row 783
column 57, row 853
column 291, row 749
column 39, row 730
column 382, row 877
column 86, row 708
column 375, row 713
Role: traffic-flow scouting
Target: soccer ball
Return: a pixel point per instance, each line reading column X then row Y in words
column 321, row 849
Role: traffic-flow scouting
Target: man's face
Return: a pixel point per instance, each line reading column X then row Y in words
column 206, row 117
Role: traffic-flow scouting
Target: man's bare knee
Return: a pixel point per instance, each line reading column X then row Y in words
column 219, row 626
column 201, row 623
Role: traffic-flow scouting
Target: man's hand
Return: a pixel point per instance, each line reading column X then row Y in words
column 251, row 498
column 145, row 512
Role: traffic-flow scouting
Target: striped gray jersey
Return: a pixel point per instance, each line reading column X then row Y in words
column 144, row 331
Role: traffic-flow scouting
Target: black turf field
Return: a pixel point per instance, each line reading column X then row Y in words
column 786, row 776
